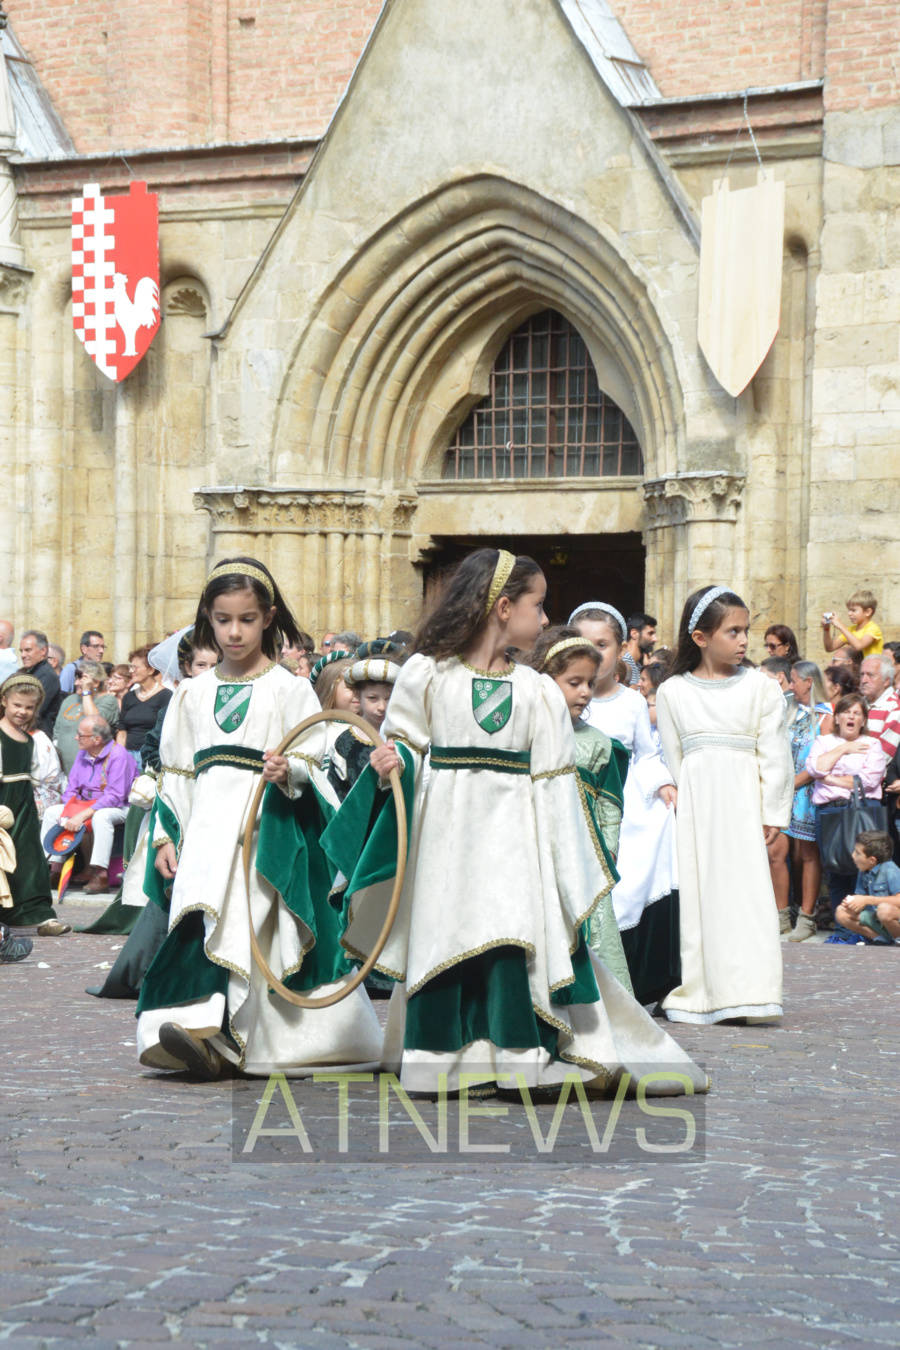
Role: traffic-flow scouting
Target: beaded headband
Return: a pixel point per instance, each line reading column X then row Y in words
column 502, row 572
column 607, row 609
column 562, row 646
column 712, row 594
column 20, row 680
column 324, row 661
column 243, row 570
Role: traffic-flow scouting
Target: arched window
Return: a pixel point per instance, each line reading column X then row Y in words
column 545, row 415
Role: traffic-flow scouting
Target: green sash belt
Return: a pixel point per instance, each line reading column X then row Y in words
column 468, row 757
column 235, row 756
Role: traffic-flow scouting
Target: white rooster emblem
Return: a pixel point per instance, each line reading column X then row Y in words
column 133, row 314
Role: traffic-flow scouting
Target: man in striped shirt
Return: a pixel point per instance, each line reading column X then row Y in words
column 876, row 677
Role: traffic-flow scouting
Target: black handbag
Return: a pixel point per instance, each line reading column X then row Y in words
column 841, row 825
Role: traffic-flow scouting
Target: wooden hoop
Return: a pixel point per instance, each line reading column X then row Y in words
column 355, row 980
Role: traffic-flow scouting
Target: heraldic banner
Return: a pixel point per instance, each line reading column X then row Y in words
column 115, row 276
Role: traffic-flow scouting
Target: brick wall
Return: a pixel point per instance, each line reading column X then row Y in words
column 863, row 56
column 704, row 47
column 126, row 75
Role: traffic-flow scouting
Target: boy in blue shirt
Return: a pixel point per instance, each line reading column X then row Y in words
column 873, row 912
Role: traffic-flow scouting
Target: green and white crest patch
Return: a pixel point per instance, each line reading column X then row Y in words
column 232, row 702
column 491, row 703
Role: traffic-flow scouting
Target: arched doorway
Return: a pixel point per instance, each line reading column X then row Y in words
column 546, row 420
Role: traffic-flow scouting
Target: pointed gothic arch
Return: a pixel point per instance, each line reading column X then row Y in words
column 407, row 332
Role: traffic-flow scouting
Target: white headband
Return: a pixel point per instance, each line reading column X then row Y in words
column 712, row 594
column 607, row 609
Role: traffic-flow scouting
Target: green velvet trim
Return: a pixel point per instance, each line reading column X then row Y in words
column 361, row 841
column 132, row 830
column 584, row 988
column 156, row 889
column 485, row 998
column 653, row 950
column 181, row 972
column 289, row 856
column 232, row 756
column 469, row 757
column 116, row 918
column 595, row 822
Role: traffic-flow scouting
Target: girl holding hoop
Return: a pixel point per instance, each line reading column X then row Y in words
column 204, row 1004
column 724, row 737
column 497, row 985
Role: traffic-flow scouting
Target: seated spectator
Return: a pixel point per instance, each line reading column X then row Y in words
column 863, row 634
column 8, row 662
column 838, row 681
column 833, row 763
column 101, row 778
column 92, row 646
column 876, row 677
column 118, row 682
column 780, row 641
column 142, row 703
column 873, row 910
column 88, row 700
column 34, row 649
column 56, row 656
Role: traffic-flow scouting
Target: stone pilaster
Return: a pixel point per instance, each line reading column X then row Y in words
column 689, row 532
column 341, row 557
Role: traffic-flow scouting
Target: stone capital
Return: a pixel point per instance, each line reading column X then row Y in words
column 305, row 510
column 679, row 499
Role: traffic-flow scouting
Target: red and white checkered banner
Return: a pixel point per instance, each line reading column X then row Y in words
column 115, row 276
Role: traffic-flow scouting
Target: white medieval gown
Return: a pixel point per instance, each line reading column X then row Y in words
column 727, row 746
column 503, row 869
column 206, row 809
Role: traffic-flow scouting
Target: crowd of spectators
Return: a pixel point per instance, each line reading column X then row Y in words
column 842, row 718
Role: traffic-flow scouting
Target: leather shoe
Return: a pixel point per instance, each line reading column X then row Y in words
column 193, row 1052
column 53, row 928
column 98, row 882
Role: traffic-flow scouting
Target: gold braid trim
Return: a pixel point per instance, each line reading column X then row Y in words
column 308, row 759
column 553, row 773
column 410, row 745
column 488, row 762
column 502, row 572
column 467, row 955
column 491, row 674
column 227, row 759
column 173, row 768
column 244, row 679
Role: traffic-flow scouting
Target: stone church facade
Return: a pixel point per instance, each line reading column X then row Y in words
column 429, row 277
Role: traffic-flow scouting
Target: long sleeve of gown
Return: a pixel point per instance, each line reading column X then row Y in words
column 408, row 718
column 668, row 733
column 773, row 754
column 304, row 758
column 175, row 784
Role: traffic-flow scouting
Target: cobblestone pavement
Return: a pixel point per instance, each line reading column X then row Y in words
column 127, row 1220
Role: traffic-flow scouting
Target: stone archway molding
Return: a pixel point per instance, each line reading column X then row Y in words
column 388, row 358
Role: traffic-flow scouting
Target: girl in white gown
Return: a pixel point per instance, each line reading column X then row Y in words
column 723, row 734
column 203, row 1000
column 646, row 898
column 496, row 983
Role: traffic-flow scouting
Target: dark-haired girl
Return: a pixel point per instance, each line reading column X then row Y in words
column 724, row 737
column 203, row 1001
column 497, row 984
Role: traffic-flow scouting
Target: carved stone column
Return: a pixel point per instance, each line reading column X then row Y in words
column 689, row 529
column 341, row 557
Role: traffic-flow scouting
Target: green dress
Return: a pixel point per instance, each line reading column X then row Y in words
column 30, row 882
column 602, row 765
